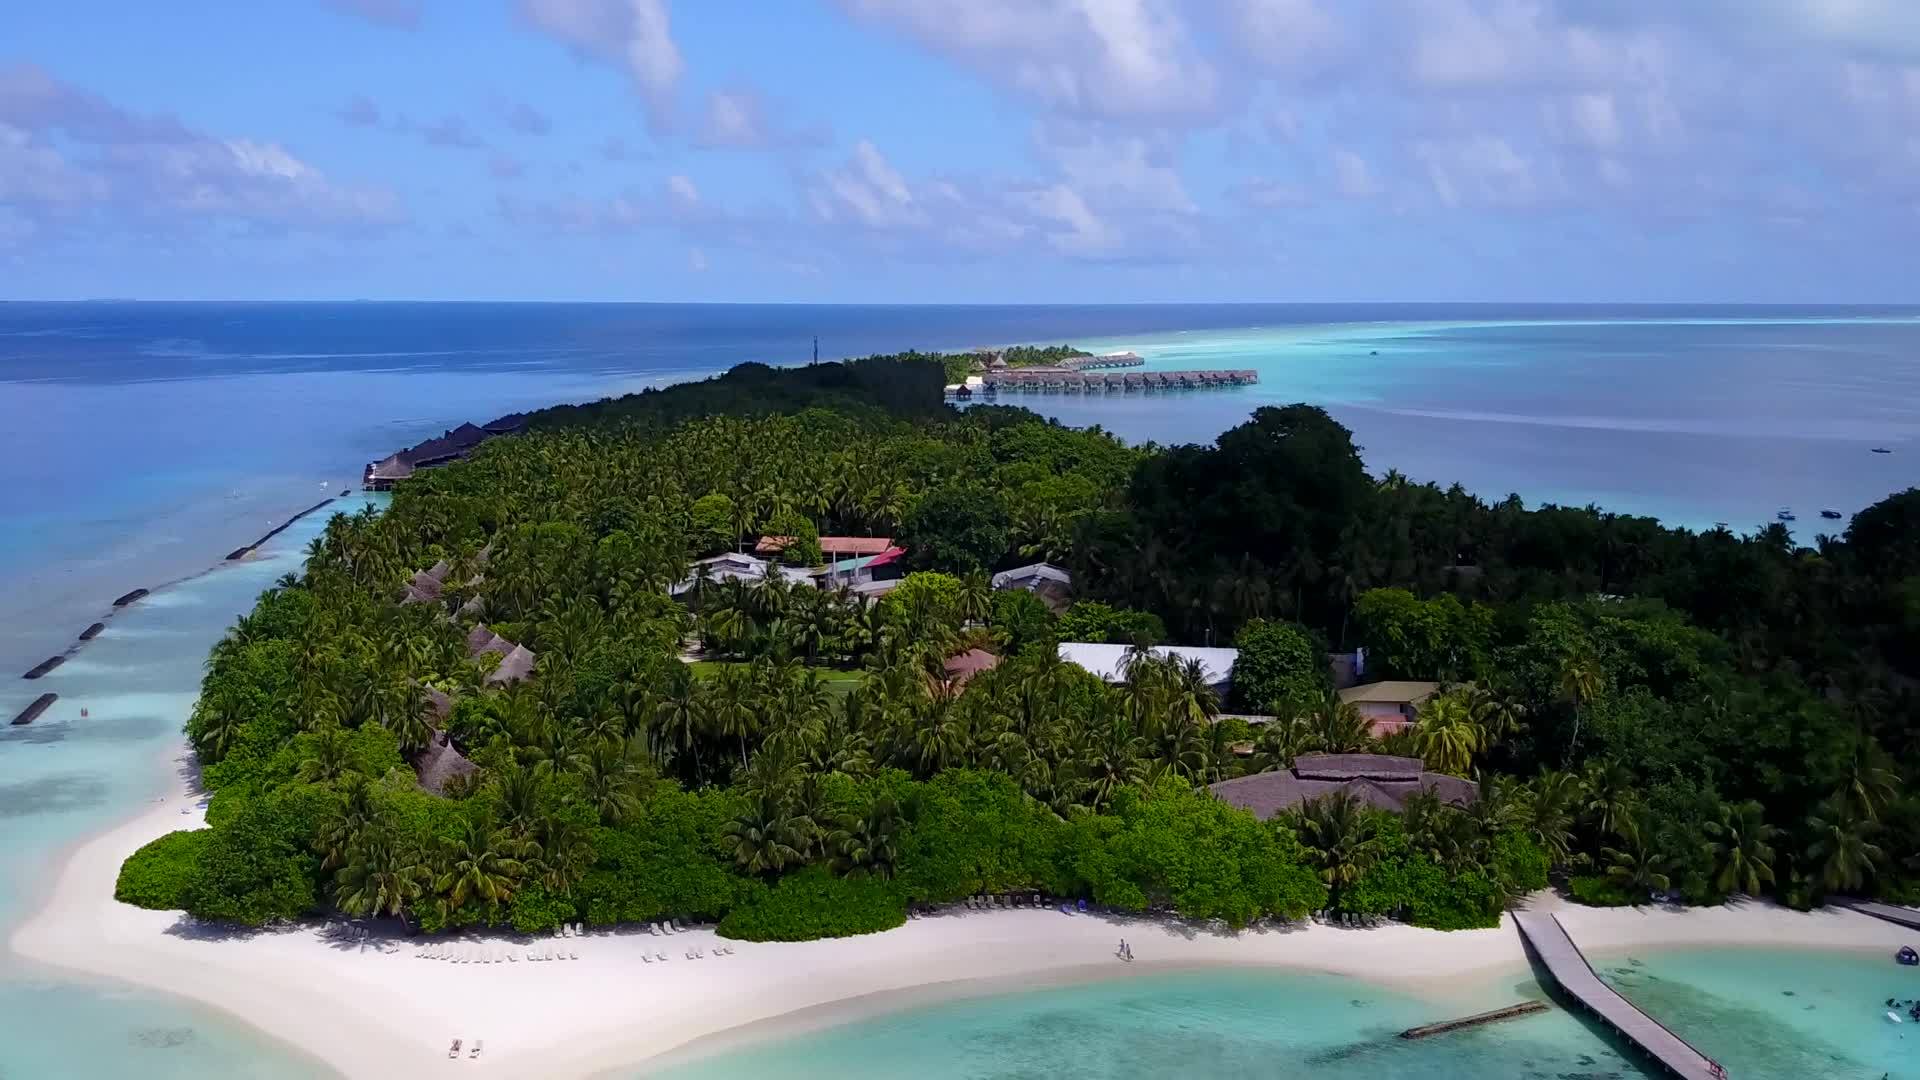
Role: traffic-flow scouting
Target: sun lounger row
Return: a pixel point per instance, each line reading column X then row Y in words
column 691, row 954
column 668, row 926
column 458, row 955
column 1013, row 900
column 1348, row 919
column 454, row 1050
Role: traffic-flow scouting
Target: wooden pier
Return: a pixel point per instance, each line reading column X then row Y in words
column 243, row 552
column 1074, row 381
column 1525, row 1008
column 1550, row 943
column 1899, row 916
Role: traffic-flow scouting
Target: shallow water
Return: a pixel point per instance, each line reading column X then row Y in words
column 1778, row 1012
column 1224, row 1025
column 65, row 777
column 1692, row 420
column 1240, row 1025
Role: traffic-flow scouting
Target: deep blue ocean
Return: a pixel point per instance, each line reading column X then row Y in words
column 141, row 442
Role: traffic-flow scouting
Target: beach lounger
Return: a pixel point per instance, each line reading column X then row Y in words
column 646, row 958
column 680, row 927
column 475, row 1052
column 662, row 957
column 513, row 957
column 454, row 1050
column 571, row 955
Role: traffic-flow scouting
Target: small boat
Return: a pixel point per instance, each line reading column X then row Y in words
column 1830, row 515
column 1907, row 956
column 1881, row 450
column 1895, row 1017
column 1785, row 514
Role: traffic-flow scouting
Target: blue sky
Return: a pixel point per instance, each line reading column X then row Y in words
column 963, row 150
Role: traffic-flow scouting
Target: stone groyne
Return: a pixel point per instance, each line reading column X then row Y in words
column 243, row 552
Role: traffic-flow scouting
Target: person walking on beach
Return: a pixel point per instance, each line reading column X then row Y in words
column 1122, row 952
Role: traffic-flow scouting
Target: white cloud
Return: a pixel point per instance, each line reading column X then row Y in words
column 1292, row 36
column 869, row 191
column 106, row 157
column 1352, row 177
column 634, row 36
column 1115, row 59
column 1129, row 172
column 734, row 118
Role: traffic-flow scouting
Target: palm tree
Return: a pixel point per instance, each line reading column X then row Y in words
column 1341, row 838
column 481, row 865
column 767, row 837
column 1338, row 727
column 1634, row 866
column 1446, row 735
column 1611, row 798
column 332, row 758
column 381, row 876
column 1580, row 682
column 976, row 598
column 866, row 844
column 1841, row 846
column 1551, row 810
column 1871, row 781
column 1742, row 848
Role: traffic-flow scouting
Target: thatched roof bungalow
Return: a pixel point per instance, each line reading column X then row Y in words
column 1381, row 781
column 440, row 763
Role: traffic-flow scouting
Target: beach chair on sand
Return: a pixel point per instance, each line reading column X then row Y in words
column 662, row 957
column 454, row 1050
column 646, row 958
column 475, row 1052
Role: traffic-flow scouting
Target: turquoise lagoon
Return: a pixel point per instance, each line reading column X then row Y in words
column 65, row 777
column 1693, row 420
column 1259, row 1025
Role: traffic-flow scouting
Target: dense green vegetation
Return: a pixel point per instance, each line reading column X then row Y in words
column 1648, row 710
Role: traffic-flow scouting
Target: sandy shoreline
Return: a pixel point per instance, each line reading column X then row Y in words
column 369, row 1013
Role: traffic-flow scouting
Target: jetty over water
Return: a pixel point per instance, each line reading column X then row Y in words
column 1063, row 380
column 1899, row 916
column 1549, row 941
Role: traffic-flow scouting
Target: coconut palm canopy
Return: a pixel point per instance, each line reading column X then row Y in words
column 1626, row 703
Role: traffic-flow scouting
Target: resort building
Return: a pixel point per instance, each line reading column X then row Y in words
column 1045, row 580
column 440, row 761
column 452, row 445
column 1378, row 780
column 1109, row 662
column 1389, row 706
column 736, row 566
column 966, row 665
column 833, row 547
column 516, row 661
column 426, row 585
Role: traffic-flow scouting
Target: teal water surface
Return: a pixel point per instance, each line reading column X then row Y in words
column 66, row 777
column 1225, row 1025
column 1778, row 1013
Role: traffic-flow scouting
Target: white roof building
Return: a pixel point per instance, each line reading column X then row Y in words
column 738, row 566
column 1109, row 662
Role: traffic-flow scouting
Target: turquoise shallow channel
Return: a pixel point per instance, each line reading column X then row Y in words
column 1241, row 1025
column 1225, row 1025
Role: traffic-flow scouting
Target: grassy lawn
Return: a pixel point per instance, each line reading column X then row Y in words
column 840, row 682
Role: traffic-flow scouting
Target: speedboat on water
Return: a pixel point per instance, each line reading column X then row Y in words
column 1881, row 450
column 1784, row 514
column 1907, row 956
column 1830, row 515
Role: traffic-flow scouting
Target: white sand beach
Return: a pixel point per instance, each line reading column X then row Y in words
column 369, row 1013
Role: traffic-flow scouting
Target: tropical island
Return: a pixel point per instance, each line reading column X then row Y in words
column 805, row 653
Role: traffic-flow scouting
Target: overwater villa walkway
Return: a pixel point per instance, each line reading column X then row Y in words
column 1549, row 941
